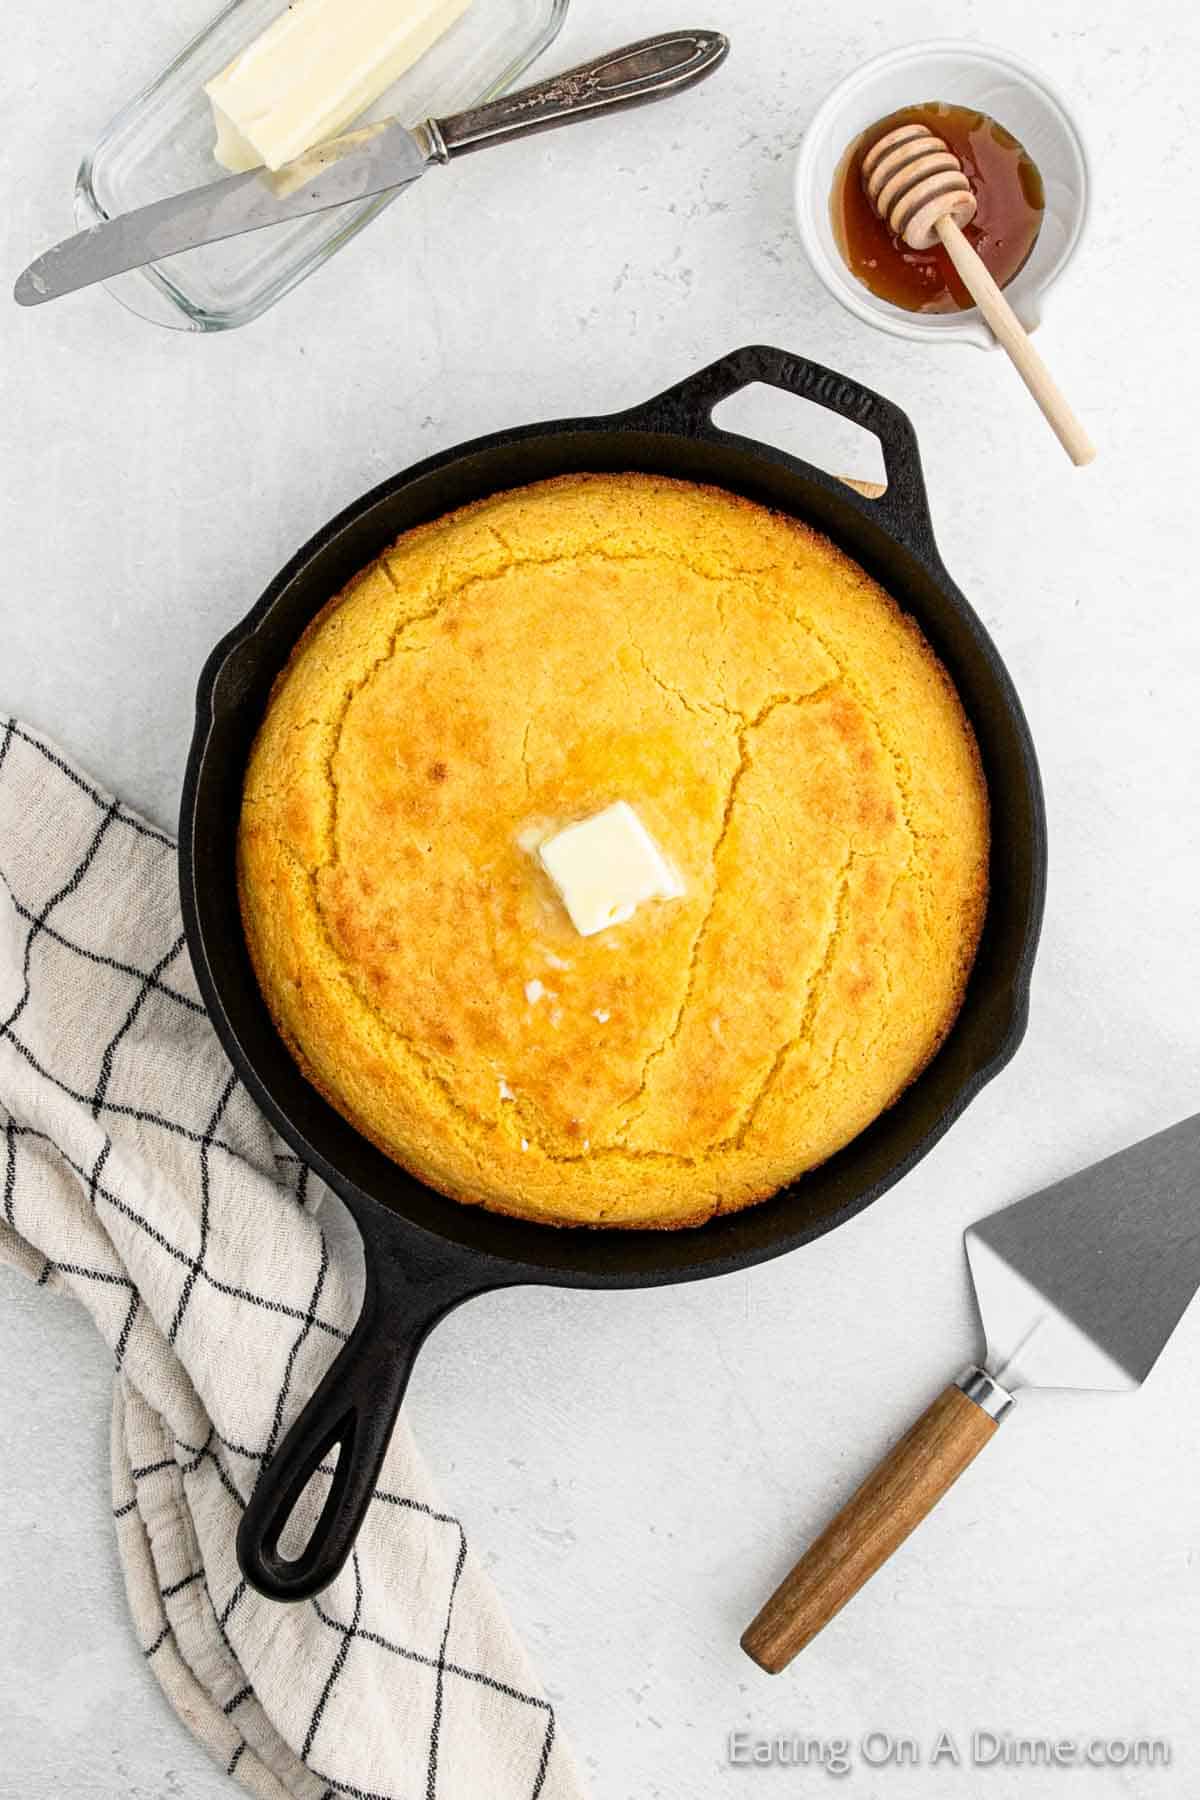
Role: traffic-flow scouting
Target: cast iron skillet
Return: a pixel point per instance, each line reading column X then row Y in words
column 424, row 1253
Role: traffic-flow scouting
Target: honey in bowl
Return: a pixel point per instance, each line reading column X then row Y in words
column 1007, row 187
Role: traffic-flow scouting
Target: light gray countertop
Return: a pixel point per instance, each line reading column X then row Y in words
column 638, row 1469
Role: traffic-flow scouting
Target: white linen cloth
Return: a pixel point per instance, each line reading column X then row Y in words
column 138, row 1175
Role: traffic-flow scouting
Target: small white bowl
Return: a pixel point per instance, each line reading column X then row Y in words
column 964, row 74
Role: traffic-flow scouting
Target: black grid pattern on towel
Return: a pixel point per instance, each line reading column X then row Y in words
column 140, row 983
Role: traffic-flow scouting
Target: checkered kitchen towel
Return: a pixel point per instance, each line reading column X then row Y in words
column 138, row 1176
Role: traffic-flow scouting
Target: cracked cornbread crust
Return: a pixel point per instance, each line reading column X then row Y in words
column 786, row 735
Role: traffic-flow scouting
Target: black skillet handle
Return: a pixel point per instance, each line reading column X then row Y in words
column 353, row 1410
column 903, row 510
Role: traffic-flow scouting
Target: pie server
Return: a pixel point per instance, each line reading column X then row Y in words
column 1079, row 1286
column 372, row 160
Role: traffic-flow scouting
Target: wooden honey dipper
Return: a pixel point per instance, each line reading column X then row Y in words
column 919, row 189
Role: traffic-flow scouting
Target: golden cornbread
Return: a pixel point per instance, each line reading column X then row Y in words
column 786, row 735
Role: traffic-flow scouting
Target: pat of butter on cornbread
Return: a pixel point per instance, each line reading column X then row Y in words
column 605, row 867
column 786, row 737
column 317, row 67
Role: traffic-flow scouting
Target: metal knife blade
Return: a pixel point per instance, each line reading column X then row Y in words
column 1082, row 1284
column 374, row 160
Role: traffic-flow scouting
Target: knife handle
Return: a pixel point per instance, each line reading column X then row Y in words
column 875, row 1521
column 644, row 71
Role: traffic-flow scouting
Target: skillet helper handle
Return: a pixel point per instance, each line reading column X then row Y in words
column 687, row 408
column 876, row 1520
column 648, row 70
column 353, row 1412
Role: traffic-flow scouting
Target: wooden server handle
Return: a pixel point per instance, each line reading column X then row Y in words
column 1012, row 337
column 891, row 1502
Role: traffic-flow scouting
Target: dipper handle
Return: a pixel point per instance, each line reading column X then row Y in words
column 875, row 1521
column 1012, row 337
column 920, row 190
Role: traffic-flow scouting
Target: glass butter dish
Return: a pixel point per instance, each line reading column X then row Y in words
column 161, row 144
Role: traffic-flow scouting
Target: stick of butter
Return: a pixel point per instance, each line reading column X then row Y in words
column 605, row 867
column 315, row 68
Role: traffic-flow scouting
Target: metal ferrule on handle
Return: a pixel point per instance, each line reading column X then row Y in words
column 985, row 1391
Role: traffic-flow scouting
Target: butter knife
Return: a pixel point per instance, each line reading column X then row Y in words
column 372, row 160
